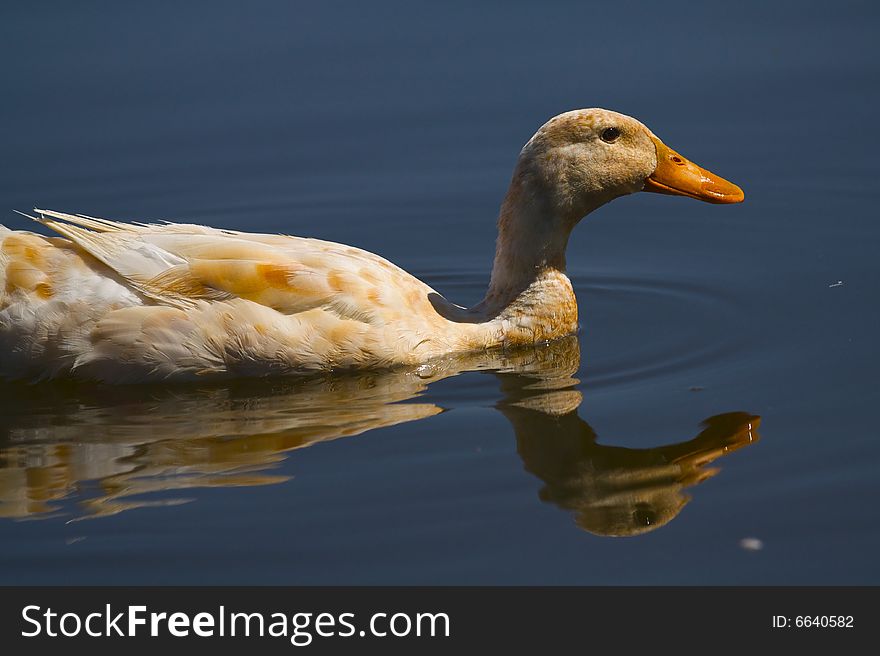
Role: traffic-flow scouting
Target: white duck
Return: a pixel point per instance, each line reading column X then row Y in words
column 120, row 302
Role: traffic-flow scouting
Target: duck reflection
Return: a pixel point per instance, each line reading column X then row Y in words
column 109, row 448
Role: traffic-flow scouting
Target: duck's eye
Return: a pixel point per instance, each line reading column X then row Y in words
column 610, row 135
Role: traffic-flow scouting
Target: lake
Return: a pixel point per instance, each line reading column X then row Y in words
column 713, row 422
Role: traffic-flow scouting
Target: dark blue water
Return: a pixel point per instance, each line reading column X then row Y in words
column 395, row 128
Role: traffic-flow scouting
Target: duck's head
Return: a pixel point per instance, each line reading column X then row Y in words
column 584, row 158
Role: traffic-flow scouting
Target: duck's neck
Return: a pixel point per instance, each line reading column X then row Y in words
column 528, row 276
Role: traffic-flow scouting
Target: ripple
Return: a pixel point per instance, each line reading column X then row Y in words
column 635, row 329
column 639, row 327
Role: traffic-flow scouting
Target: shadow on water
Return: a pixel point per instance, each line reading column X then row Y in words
column 108, row 448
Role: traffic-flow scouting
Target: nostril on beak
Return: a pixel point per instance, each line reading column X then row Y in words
column 677, row 160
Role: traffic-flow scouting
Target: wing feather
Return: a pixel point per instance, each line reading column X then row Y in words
column 181, row 266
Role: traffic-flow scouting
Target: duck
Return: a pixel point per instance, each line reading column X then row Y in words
column 123, row 302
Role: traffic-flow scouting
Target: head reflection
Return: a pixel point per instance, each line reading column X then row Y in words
column 107, row 449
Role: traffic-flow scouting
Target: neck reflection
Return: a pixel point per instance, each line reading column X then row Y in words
column 108, row 449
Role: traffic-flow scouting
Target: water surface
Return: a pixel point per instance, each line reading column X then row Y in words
column 722, row 387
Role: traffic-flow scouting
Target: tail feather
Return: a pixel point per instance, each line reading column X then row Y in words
column 82, row 220
column 119, row 247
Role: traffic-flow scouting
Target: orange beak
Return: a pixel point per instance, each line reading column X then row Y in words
column 677, row 176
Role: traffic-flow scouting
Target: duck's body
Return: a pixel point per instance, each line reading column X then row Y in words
column 122, row 302
column 135, row 303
